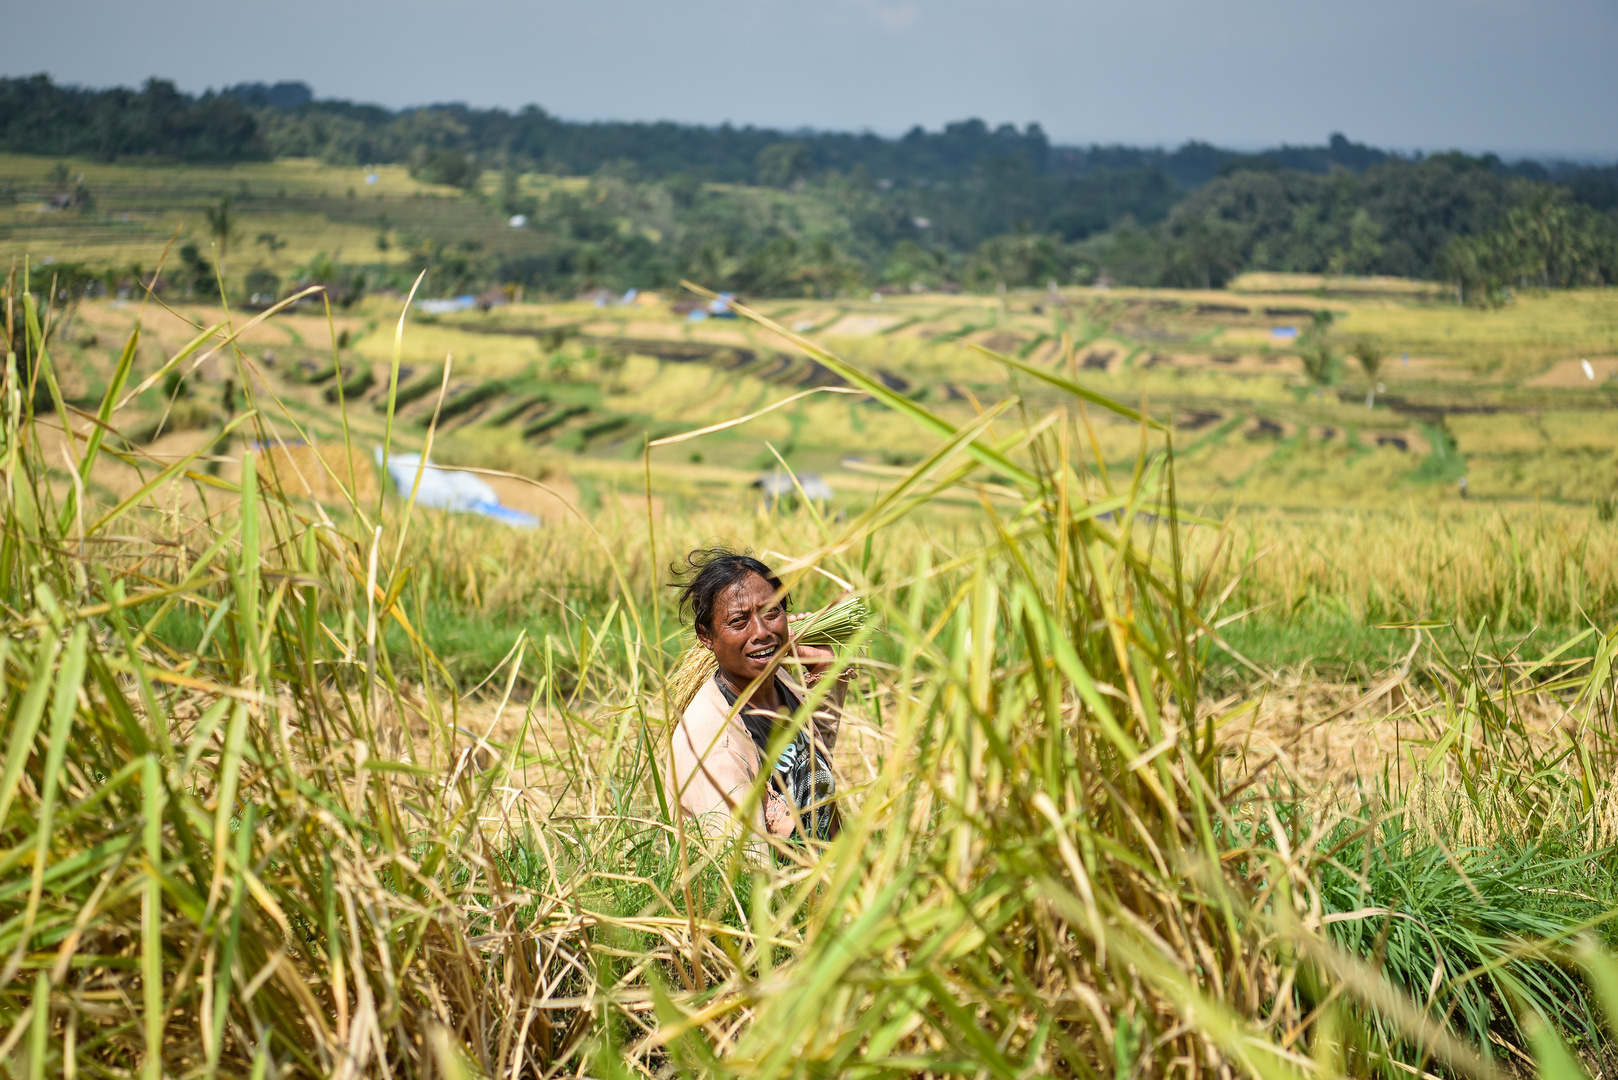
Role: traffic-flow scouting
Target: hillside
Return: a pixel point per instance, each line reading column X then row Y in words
column 765, row 212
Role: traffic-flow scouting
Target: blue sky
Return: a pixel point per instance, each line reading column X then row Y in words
column 1513, row 76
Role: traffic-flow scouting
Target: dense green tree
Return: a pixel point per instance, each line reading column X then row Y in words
column 779, row 164
column 1545, row 241
column 39, row 117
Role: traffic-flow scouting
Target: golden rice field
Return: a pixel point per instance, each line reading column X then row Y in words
column 1351, row 510
column 1207, row 730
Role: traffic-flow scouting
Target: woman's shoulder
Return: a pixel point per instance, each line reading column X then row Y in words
column 706, row 726
column 708, row 710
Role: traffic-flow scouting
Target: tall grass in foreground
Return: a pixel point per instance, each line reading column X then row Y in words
column 264, row 855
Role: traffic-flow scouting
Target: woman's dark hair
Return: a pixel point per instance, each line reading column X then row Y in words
column 707, row 572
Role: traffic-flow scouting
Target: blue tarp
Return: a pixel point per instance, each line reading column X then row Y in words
column 718, row 308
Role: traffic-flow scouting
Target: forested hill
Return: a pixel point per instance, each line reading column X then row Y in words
column 971, row 205
column 254, row 121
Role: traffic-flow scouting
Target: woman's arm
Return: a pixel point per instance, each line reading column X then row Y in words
column 712, row 768
column 815, row 661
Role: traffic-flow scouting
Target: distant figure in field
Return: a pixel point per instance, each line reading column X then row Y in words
column 737, row 611
column 1463, row 487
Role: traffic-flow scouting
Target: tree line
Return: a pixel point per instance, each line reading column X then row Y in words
column 969, row 205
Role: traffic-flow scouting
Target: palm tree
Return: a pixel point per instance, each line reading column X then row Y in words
column 222, row 227
column 1369, row 354
column 1319, row 361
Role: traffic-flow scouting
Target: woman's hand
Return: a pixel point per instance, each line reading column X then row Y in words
column 815, row 659
column 778, row 820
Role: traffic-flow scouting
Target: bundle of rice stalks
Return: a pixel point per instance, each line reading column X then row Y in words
column 831, row 627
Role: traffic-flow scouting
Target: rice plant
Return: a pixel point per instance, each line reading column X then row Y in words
column 264, row 851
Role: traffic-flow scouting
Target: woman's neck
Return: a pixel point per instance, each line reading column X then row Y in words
column 764, row 698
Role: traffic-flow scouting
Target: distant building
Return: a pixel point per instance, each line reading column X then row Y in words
column 778, row 485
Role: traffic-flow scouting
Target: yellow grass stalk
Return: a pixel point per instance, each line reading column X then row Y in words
column 1042, row 871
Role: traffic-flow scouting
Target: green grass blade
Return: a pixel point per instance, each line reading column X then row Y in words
column 1070, row 387
column 120, row 375
column 25, row 722
column 1551, row 1053
column 151, row 920
column 40, row 1027
column 163, row 477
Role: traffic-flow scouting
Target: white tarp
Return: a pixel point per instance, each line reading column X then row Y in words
column 450, row 489
column 445, row 305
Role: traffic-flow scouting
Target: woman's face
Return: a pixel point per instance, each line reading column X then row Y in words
column 749, row 628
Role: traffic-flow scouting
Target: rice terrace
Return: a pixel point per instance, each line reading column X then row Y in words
column 1207, row 614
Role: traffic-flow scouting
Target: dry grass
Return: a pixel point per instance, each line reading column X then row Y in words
column 224, row 862
column 1509, row 569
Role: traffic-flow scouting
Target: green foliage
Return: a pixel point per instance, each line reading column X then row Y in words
column 779, row 164
column 1447, row 926
column 175, row 386
column 512, row 200
column 37, row 116
column 1321, row 362
column 1546, row 241
column 1023, row 260
column 196, row 273
column 343, row 283
column 1369, row 352
column 263, row 283
column 1447, row 215
column 453, row 167
column 1445, row 464
column 968, row 205
column 222, row 227
column 911, row 264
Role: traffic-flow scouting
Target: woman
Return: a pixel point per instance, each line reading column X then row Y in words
column 739, row 612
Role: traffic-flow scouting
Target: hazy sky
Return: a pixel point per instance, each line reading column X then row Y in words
column 1515, row 76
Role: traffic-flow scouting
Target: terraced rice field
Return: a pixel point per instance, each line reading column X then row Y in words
column 573, row 388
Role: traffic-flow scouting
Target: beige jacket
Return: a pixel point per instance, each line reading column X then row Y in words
column 713, row 760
